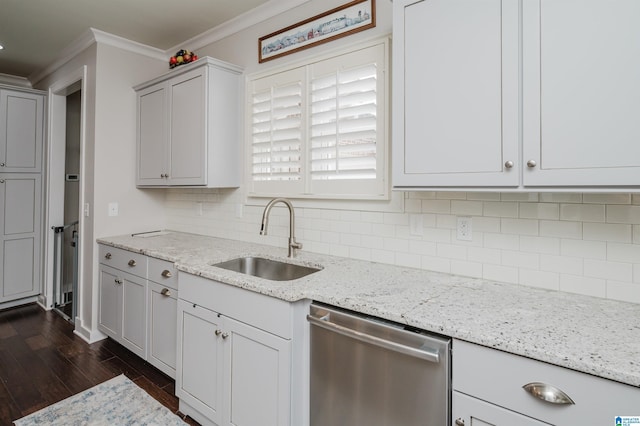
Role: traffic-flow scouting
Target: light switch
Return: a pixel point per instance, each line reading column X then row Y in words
column 113, row 209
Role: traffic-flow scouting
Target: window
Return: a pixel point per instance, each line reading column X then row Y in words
column 318, row 130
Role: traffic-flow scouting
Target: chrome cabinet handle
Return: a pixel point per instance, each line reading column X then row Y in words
column 1, row 164
column 165, row 292
column 548, row 393
column 132, row 262
column 507, row 165
column 218, row 332
column 166, row 273
column 225, row 335
column 1, row 180
column 107, row 256
column 118, row 281
column 459, row 422
column 531, row 164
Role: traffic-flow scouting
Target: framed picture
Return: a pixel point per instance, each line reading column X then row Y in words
column 350, row 18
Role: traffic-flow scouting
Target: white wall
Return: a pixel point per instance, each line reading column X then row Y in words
column 580, row 243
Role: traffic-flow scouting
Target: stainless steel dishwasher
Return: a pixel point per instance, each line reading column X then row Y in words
column 370, row 372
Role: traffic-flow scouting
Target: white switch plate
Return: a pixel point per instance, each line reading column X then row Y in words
column 86, row 209
column 464, row 229
column 113, row 209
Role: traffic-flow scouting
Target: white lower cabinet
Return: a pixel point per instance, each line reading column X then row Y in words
column 489, row 389
column 235, row 356
column 122, row 308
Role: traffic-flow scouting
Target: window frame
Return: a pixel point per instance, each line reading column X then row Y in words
column 306, row 187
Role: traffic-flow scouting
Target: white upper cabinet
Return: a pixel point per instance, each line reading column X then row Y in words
column 455, row 97
column 581, row 92
column 21, row 135
column 188, row 122
column 516, row 94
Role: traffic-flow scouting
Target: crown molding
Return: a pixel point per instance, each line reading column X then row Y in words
column 87, row 39
column 14, row 80
column 252, row 17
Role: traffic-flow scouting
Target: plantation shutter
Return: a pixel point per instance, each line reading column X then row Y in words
column 276, row 138
column 319, row 130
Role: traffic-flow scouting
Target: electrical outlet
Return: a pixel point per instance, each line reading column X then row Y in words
column 464, row 229
column 113, row 209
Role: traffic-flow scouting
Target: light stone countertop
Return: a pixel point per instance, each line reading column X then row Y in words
column 591, row 335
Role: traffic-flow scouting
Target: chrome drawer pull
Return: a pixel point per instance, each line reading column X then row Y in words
column 165, row 292
column 107, row 256
column 132, row 262
column 166, row 273
column 548, row 393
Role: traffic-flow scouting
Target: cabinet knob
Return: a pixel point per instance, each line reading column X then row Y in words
column 118, row 281
column 1, row 164
column 166, row 273
column 459, row 422
column 165, row 292
column 1, row 180
column 531, row 164
column 548, row 393
column 218, row 332
column 225, row 335
column 107, row 256
column 132, row 262
column 508, row 164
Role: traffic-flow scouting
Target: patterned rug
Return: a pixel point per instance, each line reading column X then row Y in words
column 118, row 401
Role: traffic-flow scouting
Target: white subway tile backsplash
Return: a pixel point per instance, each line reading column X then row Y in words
column 627, row 292
column 506, row 274
column 607, row 232
column 521, row 260
column 616, row 271
column 542, row 245
column 500, row 209
column 519, row 226
column 467, row 269
column 580, row 243
column 561, row 229
column 466, row 208
column 582, row 212
column 585, row 249
column 540, row 279
column 562, row 264
column 549, row 211
column 623, row 214
column 606, row 198
column 582, row 285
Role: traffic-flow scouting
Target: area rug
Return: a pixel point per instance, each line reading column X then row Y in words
column 118, row 401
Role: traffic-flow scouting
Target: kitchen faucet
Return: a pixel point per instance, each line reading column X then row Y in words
column 293, row 245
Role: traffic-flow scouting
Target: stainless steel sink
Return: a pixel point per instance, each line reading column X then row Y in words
column 266, row 268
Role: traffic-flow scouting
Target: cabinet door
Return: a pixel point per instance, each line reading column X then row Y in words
column 257, row 376
column 110, row 302
column 153, row 136
column 199, row 360
column 19, row 236
column 469, row 411
column 581, row 92
column 455, row 100
column 188, row 123
column 162, row 305
column 21, row 138
column 134, row 318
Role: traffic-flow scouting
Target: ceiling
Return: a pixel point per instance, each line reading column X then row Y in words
column 34, row 32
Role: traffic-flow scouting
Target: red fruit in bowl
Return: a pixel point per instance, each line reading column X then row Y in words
column 194, row 58
column 172, row 60
column 187, row 57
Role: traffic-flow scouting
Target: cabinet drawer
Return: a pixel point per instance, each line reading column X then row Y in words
column 267, row 313
column 163, row 272
column 127, row 261
column 499, row 377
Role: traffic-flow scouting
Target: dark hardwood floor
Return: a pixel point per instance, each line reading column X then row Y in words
column 43, row 362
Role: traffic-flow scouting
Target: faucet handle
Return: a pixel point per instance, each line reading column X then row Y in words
column 296, row 245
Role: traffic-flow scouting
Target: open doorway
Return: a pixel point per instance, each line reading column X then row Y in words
column 66, row 236
column 64, row 196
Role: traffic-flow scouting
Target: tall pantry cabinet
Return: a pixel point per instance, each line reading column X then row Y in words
column 21, row 142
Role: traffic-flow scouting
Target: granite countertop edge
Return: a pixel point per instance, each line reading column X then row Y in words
column 597, row 336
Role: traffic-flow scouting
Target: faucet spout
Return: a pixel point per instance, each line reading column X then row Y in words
column 293, row 244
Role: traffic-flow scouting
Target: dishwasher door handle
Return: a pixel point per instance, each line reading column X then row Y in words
column 431, row 356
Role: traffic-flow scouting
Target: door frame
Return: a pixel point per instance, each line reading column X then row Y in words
column 54, row 186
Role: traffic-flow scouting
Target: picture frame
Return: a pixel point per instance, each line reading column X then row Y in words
column 350, row 18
